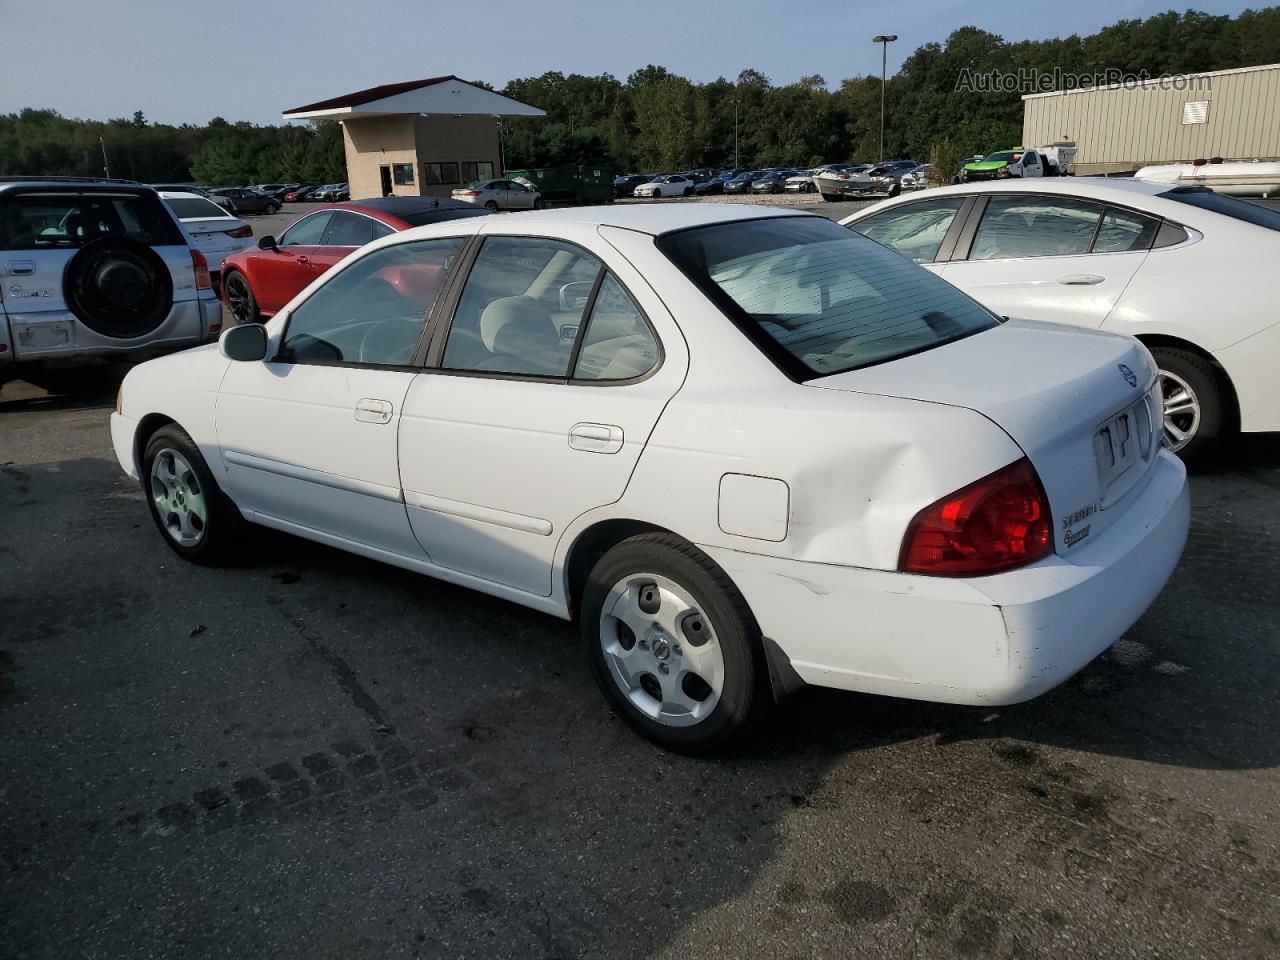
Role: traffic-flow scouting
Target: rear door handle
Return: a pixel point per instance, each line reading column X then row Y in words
column 303, row 258
column 1080, row 279
column 595, row 438
column 369, row 410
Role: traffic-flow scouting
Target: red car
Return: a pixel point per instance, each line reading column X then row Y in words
column 258, row 281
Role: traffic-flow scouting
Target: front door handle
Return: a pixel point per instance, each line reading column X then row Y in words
column 595, row 438
column 1080, row 279
column 303, row 258
column 369, row 410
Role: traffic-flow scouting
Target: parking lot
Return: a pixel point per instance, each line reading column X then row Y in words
column 314, row 753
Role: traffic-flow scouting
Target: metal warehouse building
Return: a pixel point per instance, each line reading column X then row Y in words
column 1233, row 114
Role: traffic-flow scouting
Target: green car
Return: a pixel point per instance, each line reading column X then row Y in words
column 994, row 167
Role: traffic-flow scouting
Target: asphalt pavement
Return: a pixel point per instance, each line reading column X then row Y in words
column 315, row 755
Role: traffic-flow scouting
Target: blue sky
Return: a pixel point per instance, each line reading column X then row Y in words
column 178, row 60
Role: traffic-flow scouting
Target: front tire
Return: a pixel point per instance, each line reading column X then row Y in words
column 538, row 203
column 273, row 209
column 239, row 298
column 673, row 645
column 1196, row 404
column 193, row 516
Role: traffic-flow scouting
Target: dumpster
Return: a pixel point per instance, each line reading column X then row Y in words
column 572, row 183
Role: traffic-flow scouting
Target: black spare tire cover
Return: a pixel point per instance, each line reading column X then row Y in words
column 118, row 287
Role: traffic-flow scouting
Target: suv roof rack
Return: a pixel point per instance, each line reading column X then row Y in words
column 48, row 179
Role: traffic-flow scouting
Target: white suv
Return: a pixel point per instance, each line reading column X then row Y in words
column 94, row 269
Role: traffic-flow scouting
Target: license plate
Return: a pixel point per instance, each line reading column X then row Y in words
column 1118, row 443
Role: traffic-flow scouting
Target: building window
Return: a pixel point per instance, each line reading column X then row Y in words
column 477, row 170
column 442, row 172
column 402, row 173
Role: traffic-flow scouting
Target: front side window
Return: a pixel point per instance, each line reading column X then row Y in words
column 441, row 172
column 819, row 299
column 915, row 230
column 521, row 307
column 308, row 231
column 373, row 311
column 348, row 230
column 402, row 173
column 1014, row 226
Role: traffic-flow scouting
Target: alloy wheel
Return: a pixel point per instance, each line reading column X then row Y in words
column 1181, row 410
column 661, row 650
column 236, row 292
column 178, row 498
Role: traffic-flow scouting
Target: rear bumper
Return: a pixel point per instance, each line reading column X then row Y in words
column 59, row 338
column 987, row 640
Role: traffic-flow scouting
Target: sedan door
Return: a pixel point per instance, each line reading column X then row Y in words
column 519, row 197
column 279, row 275
column 546, row 386
column 308, row 437
column 346, row 233
column 1051, row 257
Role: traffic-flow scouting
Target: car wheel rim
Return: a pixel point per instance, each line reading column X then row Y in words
column 179, row 498
column 1181, row 410
column 237, row 299
column 661, row 650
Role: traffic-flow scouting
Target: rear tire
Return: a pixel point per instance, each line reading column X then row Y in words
column 491, row 205
column 673, row 645
column 1197, row 406
column 238, row 298
column 194, row 517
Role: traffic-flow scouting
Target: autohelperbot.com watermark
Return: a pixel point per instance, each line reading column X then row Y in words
column 1028, row 80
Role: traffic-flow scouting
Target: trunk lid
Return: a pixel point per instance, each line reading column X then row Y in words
column 1081, row 404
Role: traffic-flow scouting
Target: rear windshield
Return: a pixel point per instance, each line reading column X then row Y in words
column 34, row 221
column 1227, row 206
column 820, row 299
column 195, row 208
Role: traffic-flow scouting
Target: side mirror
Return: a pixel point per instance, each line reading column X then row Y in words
column 268, row 243
column 245, row 342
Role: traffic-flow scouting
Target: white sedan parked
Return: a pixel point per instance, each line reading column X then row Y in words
column 744, row 449
column 500, row 195
column 214, row 232
column 1190, row 273
column 669, row 185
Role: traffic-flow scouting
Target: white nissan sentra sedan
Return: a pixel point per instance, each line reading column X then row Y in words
column 745, row 449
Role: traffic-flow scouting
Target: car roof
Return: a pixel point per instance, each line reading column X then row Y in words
column 406, row 206
column 185, row 195
column 1100, row 188
column 653, row 219
column 70, row 185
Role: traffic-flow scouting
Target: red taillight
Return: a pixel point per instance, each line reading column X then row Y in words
column 999, row 522
column 466, row 193
column 201, row 267
column 241, row 233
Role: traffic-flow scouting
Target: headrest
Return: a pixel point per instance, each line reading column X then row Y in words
column 528, row 314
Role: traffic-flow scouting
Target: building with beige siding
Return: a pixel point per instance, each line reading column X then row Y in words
column 419, row 138
column 1232, row 114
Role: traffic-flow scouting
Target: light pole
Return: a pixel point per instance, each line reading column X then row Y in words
column 735, row 133
column 106, row 167
column 884, row 40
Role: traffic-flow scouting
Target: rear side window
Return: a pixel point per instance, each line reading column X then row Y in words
column 1123, row 231
column 1035, row 227
column 1227, row 206
column 618, row 344
column 195, row 208
column 348, row 230
column 818, row 298
column 36, row 221
column 915, row 230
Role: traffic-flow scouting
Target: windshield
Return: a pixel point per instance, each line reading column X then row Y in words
column 1004, row 156
column 818, row 298
column 1227, row 206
